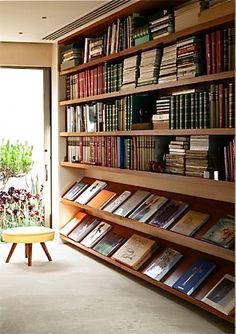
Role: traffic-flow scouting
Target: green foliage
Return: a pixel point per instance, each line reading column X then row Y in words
column 15, row 160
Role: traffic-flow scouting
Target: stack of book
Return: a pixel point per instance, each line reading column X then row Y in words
column 71, row 56
column 149, row 67
column 175, row 159
column 130, row 72
column 199, row 158
column 163, row 25
column 188, row 60
column 160, row 119
column 168, row 70
column 93, row 48
column 141, row 35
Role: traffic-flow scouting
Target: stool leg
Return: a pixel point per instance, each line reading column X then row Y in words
column 46, row 251
column 26, row 250
column 29, row 254
column 11, row 252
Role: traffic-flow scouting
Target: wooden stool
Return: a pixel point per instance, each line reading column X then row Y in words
column 28, row 235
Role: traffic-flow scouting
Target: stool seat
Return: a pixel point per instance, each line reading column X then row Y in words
column 28, row 235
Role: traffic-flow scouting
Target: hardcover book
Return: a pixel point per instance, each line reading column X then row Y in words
column 83, row 229
column 194, row 276
column 222, row 295
column 190, row 222
column 109, row 243
column 76, row 220
column 222, row 233
column 135, row 251
column 137, row 198
column 146, row 209
column 101, row 199
column 168, row 213
column 161, row 265
column 96, row 234
column 112, row 206
column 90, row 192
column 75, row 190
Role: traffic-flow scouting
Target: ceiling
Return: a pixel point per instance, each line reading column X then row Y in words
column 22, row 21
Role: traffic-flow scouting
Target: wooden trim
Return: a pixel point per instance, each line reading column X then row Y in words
column 163, row 234
column 149, row 280
column 154, row 43
column 193, row 186
column 173, row 132
column 150, row 88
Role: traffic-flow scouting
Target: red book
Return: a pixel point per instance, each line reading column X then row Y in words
column 219, row 51
column 208, row 53
column 213, row 51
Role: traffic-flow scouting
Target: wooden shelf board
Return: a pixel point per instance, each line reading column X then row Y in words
column 154, row 43
column 150, row 88
column 163, row 234
column 174, row 132
column 148, row 279
column 193, row 186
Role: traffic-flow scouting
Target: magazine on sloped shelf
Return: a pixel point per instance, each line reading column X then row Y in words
column 75, row 190
column 109, row 243
column 222, row 295
column 162, row 264
column 128, row 206
column 168, row 213
column 96, row 234
column 71, row 224
column 194, row 276
column 101, row 199
column 113, row 205
column 190, row 222
column 90, row 192
column 84, row 228
column 146, row 209
column 135, row 251
column 222, row 233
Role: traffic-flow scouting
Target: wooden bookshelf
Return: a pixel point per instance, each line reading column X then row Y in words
column 214, row 197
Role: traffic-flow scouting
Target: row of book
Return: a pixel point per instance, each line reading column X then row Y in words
column 183, row 59
column 136, row 251
column 154, row 210
column 198, row 156
column 117, row 115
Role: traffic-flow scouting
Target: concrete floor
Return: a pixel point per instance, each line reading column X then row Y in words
column 77, row 294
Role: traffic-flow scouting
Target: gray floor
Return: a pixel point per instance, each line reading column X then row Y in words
column 77, row 294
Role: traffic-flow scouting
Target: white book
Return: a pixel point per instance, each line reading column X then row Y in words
column 90, row 192
column 96, row 234
column 137, row 198
column 117, row 202
column 146, row 209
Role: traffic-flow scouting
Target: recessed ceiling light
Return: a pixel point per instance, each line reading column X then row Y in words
column 44, row 17
column 20, row 33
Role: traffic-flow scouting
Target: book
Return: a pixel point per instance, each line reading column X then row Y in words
column 96, row 234
column 110, row 207
column 222, row 233
column 71, row 224
column 190, row 222
column 83, row 228
column 101, row 199
column 161, row 265
column 194, row 276
column 109, row 243
column 168, row 213
column 138, row 197
column 222, row 295
column 146, row 209
column 90, row 192
column 75, row 190
column 135, row 251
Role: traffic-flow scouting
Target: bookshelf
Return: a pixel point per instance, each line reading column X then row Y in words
column 200, row 193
